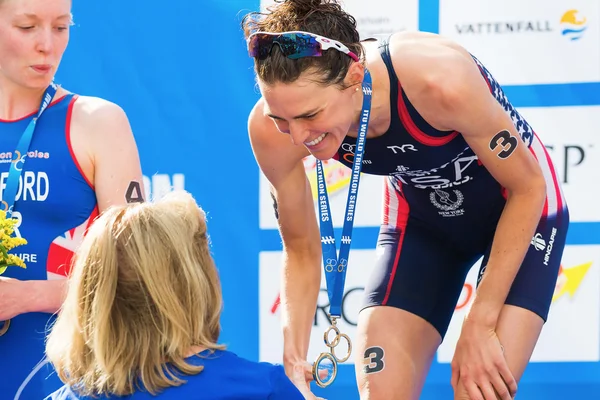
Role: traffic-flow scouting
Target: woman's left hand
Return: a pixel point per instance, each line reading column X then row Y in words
column 479, row 365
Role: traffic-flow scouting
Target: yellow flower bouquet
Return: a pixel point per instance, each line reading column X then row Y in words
column 7, row 243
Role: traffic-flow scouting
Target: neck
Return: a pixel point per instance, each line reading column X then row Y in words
column 380, row 115
column 17, row 101
column 377, row 115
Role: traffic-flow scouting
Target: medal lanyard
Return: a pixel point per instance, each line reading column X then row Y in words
column 16, row 166
column 335, row 266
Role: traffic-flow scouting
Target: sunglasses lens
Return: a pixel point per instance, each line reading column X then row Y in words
column 260, row 46
column 292, row 45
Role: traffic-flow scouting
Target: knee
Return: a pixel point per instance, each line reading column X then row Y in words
column 377, row 390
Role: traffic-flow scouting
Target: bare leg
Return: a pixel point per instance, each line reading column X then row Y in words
column 394, row 352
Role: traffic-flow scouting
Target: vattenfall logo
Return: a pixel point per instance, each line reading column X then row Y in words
column 571, row 25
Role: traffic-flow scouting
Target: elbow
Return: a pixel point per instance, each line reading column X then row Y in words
column 539, row 189
column 535, row 191
column 303, row 254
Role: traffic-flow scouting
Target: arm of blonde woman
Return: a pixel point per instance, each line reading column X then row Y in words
column 105, row 148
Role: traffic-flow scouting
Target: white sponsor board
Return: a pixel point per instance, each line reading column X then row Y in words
column 528, row 42
column 378, row 18
column 571, row 136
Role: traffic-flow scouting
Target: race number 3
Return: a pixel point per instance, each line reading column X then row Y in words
column 373, row 360
column 507, row 142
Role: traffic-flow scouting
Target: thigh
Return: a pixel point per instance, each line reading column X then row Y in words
column 534, row 284
column 528, row 302
column 418, row 272
column 394, row 350
column 409, row 302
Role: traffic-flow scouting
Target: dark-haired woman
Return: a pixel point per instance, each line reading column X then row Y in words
column 467, row 177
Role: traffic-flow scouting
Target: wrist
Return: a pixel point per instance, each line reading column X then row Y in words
column 291, row 360
column 43, row 296
column 484, row 316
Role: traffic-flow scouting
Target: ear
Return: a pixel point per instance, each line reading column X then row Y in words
column 355, row 75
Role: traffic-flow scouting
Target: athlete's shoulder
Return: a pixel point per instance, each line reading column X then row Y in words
column 95, row 109
column 100, row 118
column 434, row 71
column 426, row 58
column 259, row 125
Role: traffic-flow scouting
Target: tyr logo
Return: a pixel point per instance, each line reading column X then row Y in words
column 404, row 148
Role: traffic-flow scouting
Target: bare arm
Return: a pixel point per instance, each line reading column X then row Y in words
column 453, row 95
column 281, row 162
column 106, row 149
column 117, row 174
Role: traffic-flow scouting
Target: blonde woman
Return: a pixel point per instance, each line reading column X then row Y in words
column 141, row 316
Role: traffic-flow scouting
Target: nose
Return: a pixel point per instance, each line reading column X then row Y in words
column 298, row 133
column 44, row 40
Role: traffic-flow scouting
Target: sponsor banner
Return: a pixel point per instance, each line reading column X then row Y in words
column 570, row 135
column 524, row 43
column 572, row 332
column 157, row 185
column 378, row 18
column 271, row 339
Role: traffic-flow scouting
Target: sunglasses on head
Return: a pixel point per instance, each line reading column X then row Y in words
column 294, row 45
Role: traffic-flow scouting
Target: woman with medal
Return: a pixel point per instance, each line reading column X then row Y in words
column 59, row 169
column 466, row 178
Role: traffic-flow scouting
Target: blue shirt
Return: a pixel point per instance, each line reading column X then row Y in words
column 225, row 377
column 55, row 204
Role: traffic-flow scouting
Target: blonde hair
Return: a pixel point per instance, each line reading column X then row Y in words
column 143, row 291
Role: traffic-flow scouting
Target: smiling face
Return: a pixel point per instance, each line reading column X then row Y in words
column 33, row 37
column 315, row 116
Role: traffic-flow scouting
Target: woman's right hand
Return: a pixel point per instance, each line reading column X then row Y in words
column 301, row 375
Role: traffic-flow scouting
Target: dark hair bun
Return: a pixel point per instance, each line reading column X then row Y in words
column 305, row 6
